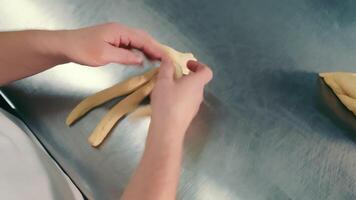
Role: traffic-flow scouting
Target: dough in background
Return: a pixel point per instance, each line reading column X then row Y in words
column 343, row 85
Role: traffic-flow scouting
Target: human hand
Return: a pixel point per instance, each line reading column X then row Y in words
column 106, row 43
column 176, row 102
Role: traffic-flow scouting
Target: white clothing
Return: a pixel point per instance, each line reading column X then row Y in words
column 26, row 170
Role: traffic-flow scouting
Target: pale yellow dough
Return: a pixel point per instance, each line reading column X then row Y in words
column 119, row 110
column 140, row 87
column 108, row 94
column 343, row 85
column 180, row 60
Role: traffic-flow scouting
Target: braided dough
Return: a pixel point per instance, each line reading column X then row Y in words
column 119, row 110
column 137, row 88
column 108, row 94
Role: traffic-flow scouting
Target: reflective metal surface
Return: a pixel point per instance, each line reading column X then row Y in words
column 260, row 133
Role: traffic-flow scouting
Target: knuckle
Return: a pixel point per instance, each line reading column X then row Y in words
column 141, row 32
column 144, row 34
column 108, row 29
column 112, row 25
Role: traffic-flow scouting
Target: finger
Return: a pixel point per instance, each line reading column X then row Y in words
column 200, row 73
column 167, row 69
column 194, row 65
column 123, row 56
column 141, row 40
column 134, row 38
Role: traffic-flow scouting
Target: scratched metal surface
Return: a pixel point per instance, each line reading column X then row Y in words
column 260, row 135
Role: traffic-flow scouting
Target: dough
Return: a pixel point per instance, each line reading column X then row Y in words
column 180, row 60
column 108, row 94
column 125, row 106
column 344, row 86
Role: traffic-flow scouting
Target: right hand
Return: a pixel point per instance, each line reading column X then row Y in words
column 176, row 102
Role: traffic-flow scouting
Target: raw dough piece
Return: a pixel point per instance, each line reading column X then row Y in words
column 349, row 102
column 119, row 110
column 347, row 83
column 335, row 87
column 180, row 60
column 344, row 86
column 141, row 111
column 103, row 96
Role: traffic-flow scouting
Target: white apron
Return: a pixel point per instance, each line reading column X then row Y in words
column 26, row 170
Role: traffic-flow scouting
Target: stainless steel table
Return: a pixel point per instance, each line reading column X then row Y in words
column 260, row 134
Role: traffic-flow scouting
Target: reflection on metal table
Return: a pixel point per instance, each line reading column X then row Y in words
column 260, row 133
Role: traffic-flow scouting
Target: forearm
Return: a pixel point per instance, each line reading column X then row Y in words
column 157, row 175
column 24, row 53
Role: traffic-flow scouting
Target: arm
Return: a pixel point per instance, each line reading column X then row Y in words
column 24, row 53
column 174, row 104
column 157, row 175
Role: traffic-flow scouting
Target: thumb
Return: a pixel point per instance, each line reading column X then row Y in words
column 200, row 73
column 122, row 56
column 167, row 69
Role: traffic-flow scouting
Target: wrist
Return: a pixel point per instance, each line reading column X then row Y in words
column 160, row 142
column 52, row 45
column 165, row 132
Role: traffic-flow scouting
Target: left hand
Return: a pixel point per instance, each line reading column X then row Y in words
column 106, row 43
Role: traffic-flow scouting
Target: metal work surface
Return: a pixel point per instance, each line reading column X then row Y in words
column 260, row 134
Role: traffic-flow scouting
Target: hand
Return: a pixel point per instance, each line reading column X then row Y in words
column 106, row 43
column 176, row 102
